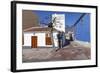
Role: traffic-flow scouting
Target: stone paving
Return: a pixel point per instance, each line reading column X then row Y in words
column 74, row 51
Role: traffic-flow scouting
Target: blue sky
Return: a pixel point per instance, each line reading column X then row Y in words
column 82, row 31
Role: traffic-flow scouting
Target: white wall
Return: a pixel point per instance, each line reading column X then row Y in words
column 5, row 37
column 55, row 39
column 27, row 39
column 40, row 39
column 61, row 19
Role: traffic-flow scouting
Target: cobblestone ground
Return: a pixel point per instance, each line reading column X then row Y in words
column 74, row 51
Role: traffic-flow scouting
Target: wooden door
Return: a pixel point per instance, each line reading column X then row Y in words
column 34, row 42
column 48, row 41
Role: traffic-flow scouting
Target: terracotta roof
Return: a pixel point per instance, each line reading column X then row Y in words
column 38, row 29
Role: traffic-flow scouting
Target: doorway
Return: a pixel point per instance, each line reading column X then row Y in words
column 34, row 42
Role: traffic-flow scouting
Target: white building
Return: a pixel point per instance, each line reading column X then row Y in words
column 41, row 36
column 59, row 23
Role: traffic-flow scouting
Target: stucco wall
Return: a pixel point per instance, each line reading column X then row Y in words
column 41, row 42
